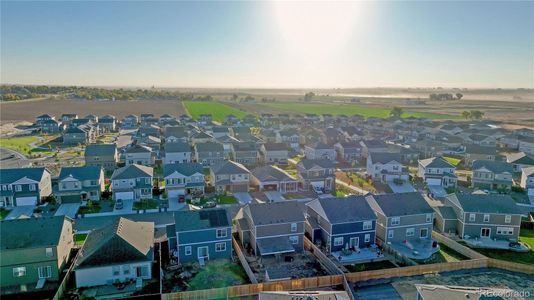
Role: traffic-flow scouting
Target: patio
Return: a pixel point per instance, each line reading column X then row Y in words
column 495, row 244
column 359, row 256
column 417, row 249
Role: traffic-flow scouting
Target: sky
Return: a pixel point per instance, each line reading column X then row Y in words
column 268, row 44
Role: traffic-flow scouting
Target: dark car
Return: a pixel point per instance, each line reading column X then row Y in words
column 210, row 204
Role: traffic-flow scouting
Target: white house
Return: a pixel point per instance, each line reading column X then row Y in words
column 386, row 167
column 183, row 179
column 178, row 152
column 437, row 171
column 527, row 180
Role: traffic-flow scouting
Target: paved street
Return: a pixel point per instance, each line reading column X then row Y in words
column 18, row 211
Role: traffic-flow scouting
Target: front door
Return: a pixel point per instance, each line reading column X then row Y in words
column 485, row 232
column 354, row 242
column 203, row 252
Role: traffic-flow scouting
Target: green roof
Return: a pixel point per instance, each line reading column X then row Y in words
column 31, row 232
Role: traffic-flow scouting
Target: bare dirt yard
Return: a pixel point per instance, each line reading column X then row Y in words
column 14, row 112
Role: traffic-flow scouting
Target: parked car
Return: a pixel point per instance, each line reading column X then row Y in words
column 210, row 204
column 119, row 204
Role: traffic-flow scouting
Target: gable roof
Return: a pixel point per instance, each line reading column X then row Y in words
column 209, row 147
column 528, row 171
column 310, row 163
column 343, row 209
column 80, row 173
column 138, row 149
column 435, row 162
column 132, row 171
column 229, row 167
column 201, row 219
column 275, row 212
column 385, row 157
column 100, row 150
column 275, row 146
column 476, row 149
column 520, row 158
column 493, row 166
column 177, row 147
column 401, row 204
column 123, row 241
column 491, row 203
column 186, row 169
column 32, row 232
column 271, row 173
column 11, row 175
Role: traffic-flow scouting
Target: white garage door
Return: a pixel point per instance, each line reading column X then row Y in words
column 433, row 181
column 173, row 194
column 124, row 195
column 23, row 201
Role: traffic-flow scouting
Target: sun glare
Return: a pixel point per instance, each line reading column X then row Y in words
column 313, row 30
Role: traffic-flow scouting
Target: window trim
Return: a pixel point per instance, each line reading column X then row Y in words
column 188, row 250
column 486, row 218
column 472, row 217
column 367, row 225
column 217, row 249
column 367, row 238
column 410, row 231
column 293, row 227
column 338, row 241
column 508, row 219
column 19, row 271
column 220, row 231
column 294, row 239
column 390, row 234
column 48, row 272
column 395, row 221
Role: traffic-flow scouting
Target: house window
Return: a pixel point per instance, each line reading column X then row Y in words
column 367, row 225
column 19, row 271
column 410, row 231
column 221, row 233
column 293, row 227
column 188, row 250
column 486, row 218
column 4, row 187
column 32, row 187
column 44, row 272
column 126, row 269
column 423, row 233
column 395, row 221
column 49, row 252
column 508, row 219
column 472, row 217
column 18, row 188
column 390, row 234
column 294, row 239
column 338, row 241
column 116, row 270
column 505, row 230
column 220, row 247
column 428, row 218
column 367, row 238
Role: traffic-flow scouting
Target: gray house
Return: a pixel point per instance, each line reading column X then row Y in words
column 317, row 175
column 200, row 235
column 50, row 126
column 177, row 152
column 271, row 178
column 183, row 179
column 437, row 171
column 209, row 153
column 245, row 153
column 25, row 186
column 77, row 184
column 229, row 176
column 272, row 228
column 493, row 175
column 102, row 155
column 75, row 135
column 132, row 182
column 273, row 153
column 108, row 123
column 404, row 222
column 320, row 151
column 141, row 155
column 520, row 160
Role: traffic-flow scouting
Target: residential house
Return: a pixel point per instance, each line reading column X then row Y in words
column 349, row 151
column 229, row 176
column 273, row 153
column 42, row 118
column 50, row 126
column 369, row 146
column 289, row 136
column 404, row 223
column 24, row 186
column 174, row 134
column 272, row 178
column 245, row 153
column 77, row 184
column 147, row 130
column 102, row 155
column 34, row 253
column 520, row 160
column 492, row 175
column 130, row 122
column 108, row 123
column 272, row 228
column 437, row 171
column 219, row 131
column 341, row 223
column 132, row 182
column 209, row 153
column 201, row 137
column 200, row 235
column 527, row 180
column 317, row 175
column 183, row 179
column 177, row 152
column 526, row 144
column 205, row 119
column 119, row 252
column 138, row 154
column 75, row 135
column 386, row 167
column 476, row 152
column 320, row 151
column 67, row 118
column 92, row 118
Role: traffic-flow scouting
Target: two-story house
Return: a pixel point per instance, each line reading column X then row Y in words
column 50, row 126
column 527, row 180
column 75, row 135
column 108, row 123
column 493, row 175
column 341, row 223
column 132, row 182
column 105, row 156
column 320, row 151
column 272, row 178
column 349, row 151
column 177, row 152
column 437, row 171
column 289, row 136
column 122, row 251
column 138, row 154
column 245, row 153
column 404, row 223
column 369, row 146
column 200, row 235
column 272, row 228
column 317, row 175
column 77, row 184
column 130, row 122
column 25, row 186
column 520, row 160
column 209, row 153
column 386, row 167
column 526, row 144
column 476, row 152
column 183, row 179
column 229, row 176
column 174, row 134
column 273, row 153
column 34, row 253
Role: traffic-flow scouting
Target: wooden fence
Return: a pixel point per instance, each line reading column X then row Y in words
column 328, row 264
column 465, row 251
column 510, row 266
column 63, row 286
column 243, row 261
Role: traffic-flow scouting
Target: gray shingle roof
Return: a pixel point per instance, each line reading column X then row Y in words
column 275, row 146
column 476, row 149
column 80, row 173
column 209, row 147
column 132, row 171
column 138, row 149
column 229, row 167
column 31, row 232
column 186, row 169
column 446, row 212
column 385, row 157
column 520, row 158
column 310, row 163
column 490, row 203
column 402, row 204
column 343, row 210
column 201, row 219
column 275, row 213
column 271, row 173
column 493, row 166
column 528, row 171
column 12, row 175
column 435, row 162
column 100, row 150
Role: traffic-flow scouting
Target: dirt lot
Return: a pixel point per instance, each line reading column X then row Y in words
column 14, row 112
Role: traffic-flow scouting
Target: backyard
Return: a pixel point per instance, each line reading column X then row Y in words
column 26, row 145
column 526, row 236
column 453, row 161
column 446, row 254
column 371, row 266
column 217, row 110
column 356, row 180
column 79, row 239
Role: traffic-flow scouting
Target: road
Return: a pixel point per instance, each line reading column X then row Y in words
column 12, row 159
column 352, row 188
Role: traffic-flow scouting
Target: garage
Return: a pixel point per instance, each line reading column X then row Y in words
column 24, row 201
column 270, row 187
column 530, row 192
column 124, row 195
column 239, row 188
column 173, row 194
column 433, row 181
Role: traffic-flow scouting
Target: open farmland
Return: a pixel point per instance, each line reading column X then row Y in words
column 349, row 109
column 218, row 110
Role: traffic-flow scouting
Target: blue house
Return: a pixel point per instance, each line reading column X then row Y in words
column 200, row 235
column 340, row 223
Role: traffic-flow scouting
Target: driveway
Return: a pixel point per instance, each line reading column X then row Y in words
column 20, row 211
column 126, row 209
column 68, row 209
column 406, row 187
column 243, row 197
column 274, row 196
column 174, row 205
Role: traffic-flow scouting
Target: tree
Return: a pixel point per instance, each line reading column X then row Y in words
column 459, row 96
column 476, row 114
column 396, row 112
column 466, row 115
column 309, row 96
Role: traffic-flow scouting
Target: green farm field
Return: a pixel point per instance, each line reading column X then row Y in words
column 217, row 110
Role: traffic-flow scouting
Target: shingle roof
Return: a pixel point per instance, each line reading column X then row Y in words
column 528, row 171
column 275, row 146
column 80, row 173
column 385, row 157
column 229, row 167
column 310, row 163
column 177, row 147
column 138, row 149
column 271, row 173
column 446, row 212
column 275, row 213
column 476, row 149
column 493, row 166
column 100, row 150
column 132, row 171
column 31, row 232
column 123, row 241
column 201, row 219
column 402, row 204
column 435, row 162
column 12, row 175
column 520, row 158
column 186, row 169
column 209, row 147
column 343, row 210
column 490, row 203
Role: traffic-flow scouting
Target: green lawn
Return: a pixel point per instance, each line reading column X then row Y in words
column 452, row 160
column 339, row 193
column 446, row 254
column 349, row 110
column 379, row 265
column 3, row 213
column 223, row 199
column 79, row 239
column 22, row 145
column 145, row 204
column 218, row 274
column 217, row 110
column 91, row 208
column 526, row 236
